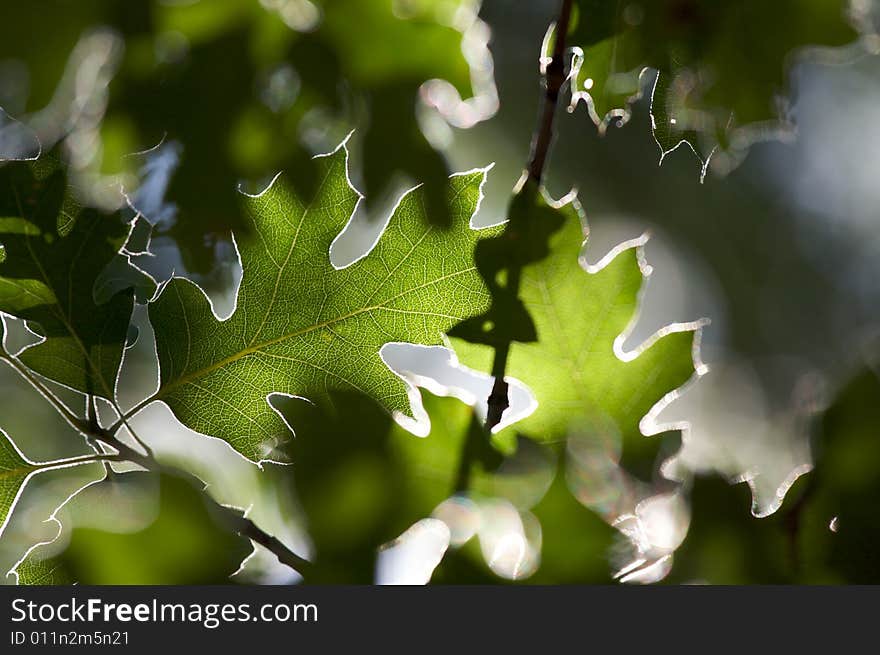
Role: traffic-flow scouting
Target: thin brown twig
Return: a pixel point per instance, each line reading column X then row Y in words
column 554, row 79
column 69, row 417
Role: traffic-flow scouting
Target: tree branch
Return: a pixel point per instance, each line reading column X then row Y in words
column 249, row 529
column 75, row 461
column 554, row 79
column 72, row 419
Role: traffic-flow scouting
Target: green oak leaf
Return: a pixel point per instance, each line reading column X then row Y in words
column 722, row 65
column 302, row 327
column 15, row 470
column 54, row 252
column 570, row 357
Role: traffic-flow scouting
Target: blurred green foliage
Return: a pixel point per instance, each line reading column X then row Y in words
column 362, row 481
column 826, row 531
column 723, row 65
column 140, row 529
column 240, row 89
column 840, row 531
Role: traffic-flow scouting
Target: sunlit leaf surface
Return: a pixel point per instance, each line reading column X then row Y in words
column 568, row 324
column 302, row 327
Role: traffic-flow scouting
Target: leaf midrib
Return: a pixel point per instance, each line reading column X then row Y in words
column 21, row 470
column 250, row 350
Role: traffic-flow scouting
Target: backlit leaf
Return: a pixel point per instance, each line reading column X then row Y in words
column 54, row 251
column 302, row 327
column 571, row 356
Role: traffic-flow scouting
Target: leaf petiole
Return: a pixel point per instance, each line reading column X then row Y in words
column 124, row 417
column 77, row 461
column 72, row 419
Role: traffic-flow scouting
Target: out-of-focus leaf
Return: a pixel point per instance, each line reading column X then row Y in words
column 265, row 84
column 56, row 59
column 402, row 56
column 839, row 535
column 362, row 481
column 302, row 327
column 36, row 39
column 181, row 541
column 722, row 65
column 54, row 250
column 726, row 544
column 215, row 81
column 349, row 483
column 826, row 530
column 576, row 543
